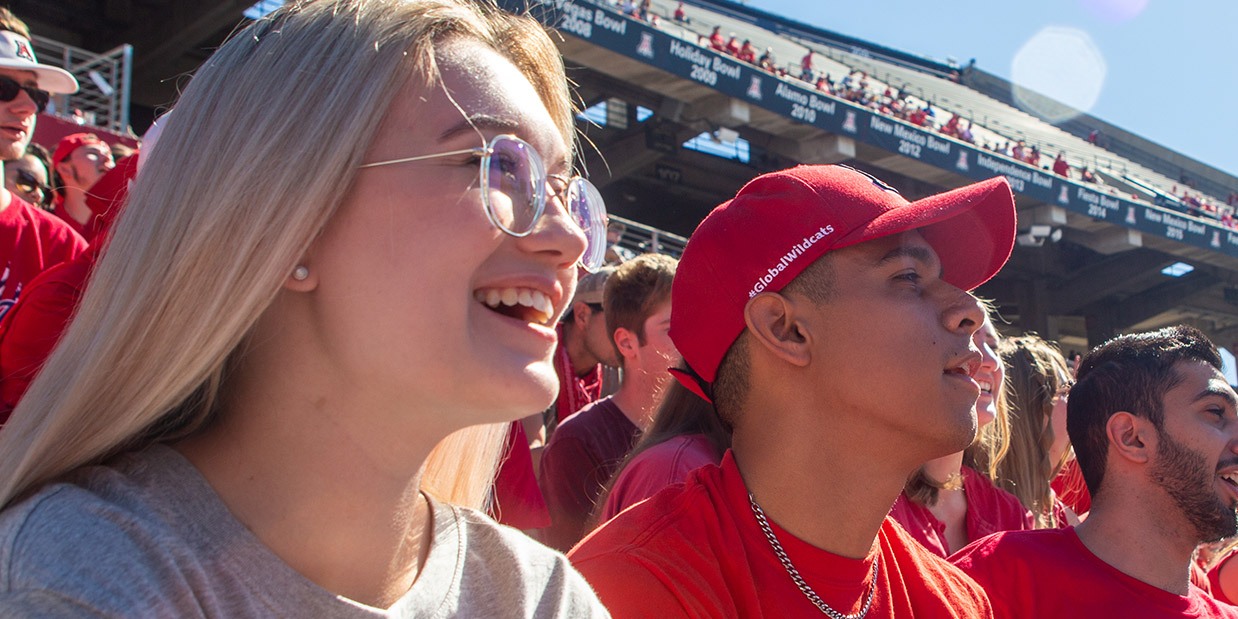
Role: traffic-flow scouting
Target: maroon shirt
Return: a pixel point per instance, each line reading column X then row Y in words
column 580, row 458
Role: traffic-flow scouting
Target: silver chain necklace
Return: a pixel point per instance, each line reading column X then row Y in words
column 799, row 580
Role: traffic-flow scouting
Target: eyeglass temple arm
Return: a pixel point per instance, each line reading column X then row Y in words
column 479, row 150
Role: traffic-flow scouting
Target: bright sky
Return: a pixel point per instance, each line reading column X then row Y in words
column 1163, row 69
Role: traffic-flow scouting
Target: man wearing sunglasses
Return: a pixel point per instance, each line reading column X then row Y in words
column 31, row 240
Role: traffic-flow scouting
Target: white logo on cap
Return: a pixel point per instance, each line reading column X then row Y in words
column 797, row 250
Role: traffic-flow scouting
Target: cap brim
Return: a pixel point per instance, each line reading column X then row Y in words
column 971, row 228
column 52, row 79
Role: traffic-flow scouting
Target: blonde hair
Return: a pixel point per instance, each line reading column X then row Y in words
column 219, row 216
column 1034, row 373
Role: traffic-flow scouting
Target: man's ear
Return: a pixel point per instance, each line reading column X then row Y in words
column 626, row 342
column 581, row 312
column 774, row 322
column 1131, row 437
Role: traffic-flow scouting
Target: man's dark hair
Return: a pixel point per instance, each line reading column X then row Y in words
column 1129, row 373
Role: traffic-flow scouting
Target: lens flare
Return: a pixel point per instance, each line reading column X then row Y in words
column 1058, row 74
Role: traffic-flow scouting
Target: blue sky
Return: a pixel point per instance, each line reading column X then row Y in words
column 1168, row 68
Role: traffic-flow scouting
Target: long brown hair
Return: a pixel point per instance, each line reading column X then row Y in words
column 1035, row 372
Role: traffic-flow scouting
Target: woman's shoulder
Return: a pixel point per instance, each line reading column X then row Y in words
column 89, row 542
column 507, row 571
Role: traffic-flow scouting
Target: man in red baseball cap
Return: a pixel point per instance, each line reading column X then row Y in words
column 827, row 319
column 79, row 161
column 31, row 240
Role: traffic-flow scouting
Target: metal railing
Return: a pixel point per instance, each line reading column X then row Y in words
column 104, row 79
column 645, row 239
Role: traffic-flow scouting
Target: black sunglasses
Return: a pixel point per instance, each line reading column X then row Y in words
column 28, row 183
column 9, row 88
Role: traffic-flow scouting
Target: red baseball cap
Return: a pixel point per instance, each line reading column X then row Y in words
column 779, row 223
column 70, row 143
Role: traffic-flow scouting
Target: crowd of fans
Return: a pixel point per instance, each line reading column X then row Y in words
column 857, row 87
column 322, row 399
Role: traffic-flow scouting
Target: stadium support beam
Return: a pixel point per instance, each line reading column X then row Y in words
column 1112, row 240
column 722, row 111
column 626, row 154
column 828, row 148
column 1104, row 278
column 1138, row 308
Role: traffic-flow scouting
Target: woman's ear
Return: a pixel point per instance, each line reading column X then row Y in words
column 301, row 279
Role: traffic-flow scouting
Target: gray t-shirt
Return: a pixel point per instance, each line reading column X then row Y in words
column 146, row 536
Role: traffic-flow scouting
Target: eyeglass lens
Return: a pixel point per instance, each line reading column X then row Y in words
column 9, row 88
column 516, row 179
column 515, row 196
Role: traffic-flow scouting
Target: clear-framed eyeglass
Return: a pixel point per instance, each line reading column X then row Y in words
column 514, row 186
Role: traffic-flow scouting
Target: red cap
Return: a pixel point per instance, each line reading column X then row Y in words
column 779, row 223
column 71, row 143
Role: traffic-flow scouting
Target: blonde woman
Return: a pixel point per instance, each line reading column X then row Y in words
column 1038, row 381
column 335, row 281
column 947, row 503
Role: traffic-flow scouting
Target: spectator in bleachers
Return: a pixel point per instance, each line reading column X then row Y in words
column 747, row 52
column 79, row 162
column 766, row 61
column 1153, row 420
column 1060, row 167
column 314, row 379
column 716, row 40
column 615, row 252
column 806, row 72
column 732, row 45
column 28, row 176
column 794, row 520
column 1037, row 382
column 965, row 133
column 824, row 84
column 680, row 15
column 1087, row 176
column 586, row 449
column 31, row 239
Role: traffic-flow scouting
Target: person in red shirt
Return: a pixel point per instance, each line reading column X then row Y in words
column 946, row 505
column 1060, row 167
column 1155, row 427
column 31, row 329
column 686, row 434
column 747, row 52
column 31, row 239
column 79, row 161
column 732, row 45
column 716, row 40
column 815, row 309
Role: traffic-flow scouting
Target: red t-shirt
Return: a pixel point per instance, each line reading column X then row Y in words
column 1050, row 573
column 664, row 464
column 31, row 241
column 1070, row 488
column 1214, row 579
column 989, row 510
column 33, row 326
column 92, row 228
column 518, row 500
column 696, row 550
column 576, row 464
